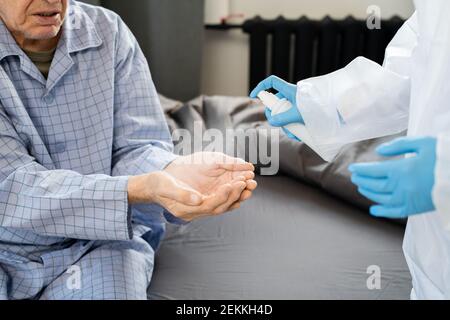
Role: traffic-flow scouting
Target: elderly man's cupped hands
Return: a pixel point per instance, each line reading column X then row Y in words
column 196, row 186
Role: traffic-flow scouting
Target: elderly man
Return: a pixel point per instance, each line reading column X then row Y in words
column 87, row 172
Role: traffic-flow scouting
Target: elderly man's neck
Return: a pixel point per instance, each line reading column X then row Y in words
column 37, row 45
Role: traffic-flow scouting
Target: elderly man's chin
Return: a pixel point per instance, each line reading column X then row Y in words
column 43, row 33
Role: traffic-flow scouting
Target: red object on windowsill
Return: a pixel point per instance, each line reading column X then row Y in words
column 226, row 20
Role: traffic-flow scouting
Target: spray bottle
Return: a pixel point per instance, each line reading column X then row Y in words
column 278, row 106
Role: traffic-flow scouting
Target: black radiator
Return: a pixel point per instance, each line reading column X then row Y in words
column 298, row 49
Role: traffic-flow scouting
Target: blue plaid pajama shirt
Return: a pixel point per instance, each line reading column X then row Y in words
column 68, row 145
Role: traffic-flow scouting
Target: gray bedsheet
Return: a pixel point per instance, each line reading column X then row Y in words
column 291, row 241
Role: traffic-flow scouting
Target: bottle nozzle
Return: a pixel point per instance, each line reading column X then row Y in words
column 268, row 99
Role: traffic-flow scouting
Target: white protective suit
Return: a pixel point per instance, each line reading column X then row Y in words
column 411, row 91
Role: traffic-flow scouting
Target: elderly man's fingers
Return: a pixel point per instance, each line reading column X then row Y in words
column 252, row 185
column 187, row 197
column 172, row 189
column 238, row 188
column 207, row 208
column 182, row 211
column 213, row 201
column 246, row 195
column 247, row 175
column 238, row 166
column 235, row 206
column 228, row 197
column 221, row 161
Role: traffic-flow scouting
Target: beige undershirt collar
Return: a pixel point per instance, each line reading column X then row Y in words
column 42, row 60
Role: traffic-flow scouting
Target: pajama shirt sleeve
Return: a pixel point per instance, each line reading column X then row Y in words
column 142, row 141
column 59, row 203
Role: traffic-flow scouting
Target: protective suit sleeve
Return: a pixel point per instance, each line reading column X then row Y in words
column 363, row 100
column 441, row 190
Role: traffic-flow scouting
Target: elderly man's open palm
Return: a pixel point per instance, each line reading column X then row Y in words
column 208, row 171
column 200, row 185
column 223, row 182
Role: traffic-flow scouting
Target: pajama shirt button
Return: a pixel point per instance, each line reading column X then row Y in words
column 49, row 99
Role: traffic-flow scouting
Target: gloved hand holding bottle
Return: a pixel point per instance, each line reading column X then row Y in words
column 401, row 188
column 286, row 91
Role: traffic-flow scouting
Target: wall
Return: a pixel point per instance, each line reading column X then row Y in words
column 226, row 53
column 171, row 35
column 95, row 2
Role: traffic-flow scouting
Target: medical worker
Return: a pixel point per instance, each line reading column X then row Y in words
column 363, row 101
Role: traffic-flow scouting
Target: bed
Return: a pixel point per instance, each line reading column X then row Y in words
column 291, row 241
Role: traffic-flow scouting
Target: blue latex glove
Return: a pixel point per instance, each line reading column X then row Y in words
column 402, row 188
column 285, row 90
column 274, row 123
column 289, row 134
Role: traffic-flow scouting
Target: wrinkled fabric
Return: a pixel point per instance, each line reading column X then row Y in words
column 410, row 91
column 68, row 145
